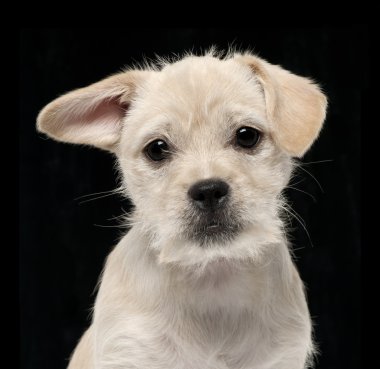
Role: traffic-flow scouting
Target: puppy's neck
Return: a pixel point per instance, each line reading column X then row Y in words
column 220, row 283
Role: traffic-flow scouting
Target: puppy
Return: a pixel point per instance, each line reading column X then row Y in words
column 204, row 278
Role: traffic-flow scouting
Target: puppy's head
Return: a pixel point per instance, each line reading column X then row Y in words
column 204, row 145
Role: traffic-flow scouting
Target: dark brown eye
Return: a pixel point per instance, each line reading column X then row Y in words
column 157, row 150
column 247, row 137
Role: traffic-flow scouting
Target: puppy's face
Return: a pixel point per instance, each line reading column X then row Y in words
column 205, row 149
column 197, row 155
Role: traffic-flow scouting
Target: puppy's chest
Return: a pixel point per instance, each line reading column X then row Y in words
column 208, row 343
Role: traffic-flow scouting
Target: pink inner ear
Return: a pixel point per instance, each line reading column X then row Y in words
column 109, row 111
column 92, row 115
column 92, row 120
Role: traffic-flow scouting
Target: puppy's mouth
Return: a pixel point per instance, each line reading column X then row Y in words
column 209, row 232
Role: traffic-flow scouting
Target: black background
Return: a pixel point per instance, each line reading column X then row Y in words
column 63, row 243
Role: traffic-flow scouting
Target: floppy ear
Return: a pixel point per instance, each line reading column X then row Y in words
column 296, row 107
column 91, row 115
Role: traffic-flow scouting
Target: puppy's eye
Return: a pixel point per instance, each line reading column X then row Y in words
column 157, row 150
column 247, row 137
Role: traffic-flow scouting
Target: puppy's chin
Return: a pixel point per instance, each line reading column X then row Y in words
column 243, row 245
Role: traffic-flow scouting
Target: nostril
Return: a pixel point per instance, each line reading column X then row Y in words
column 201, row 197
column 218, row 194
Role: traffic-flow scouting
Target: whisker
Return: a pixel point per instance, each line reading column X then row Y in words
column 298, row 248
column 116, row 217
column 317, row 162
column 99, row 193
column 299, row 219
column 306, row 193
column 110, row 226
column 295, row 184
column 288, row 219
column 100, row 197
column 294, row 213
column 315, row 179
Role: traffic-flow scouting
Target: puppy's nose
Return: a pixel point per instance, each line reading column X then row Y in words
column 209, row 194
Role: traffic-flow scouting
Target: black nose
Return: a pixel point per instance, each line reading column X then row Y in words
column 209, row 194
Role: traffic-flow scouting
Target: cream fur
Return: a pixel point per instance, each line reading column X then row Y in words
column 164, row 301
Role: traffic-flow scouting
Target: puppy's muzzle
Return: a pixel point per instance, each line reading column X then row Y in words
column 209, row 195
column 213, row 219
